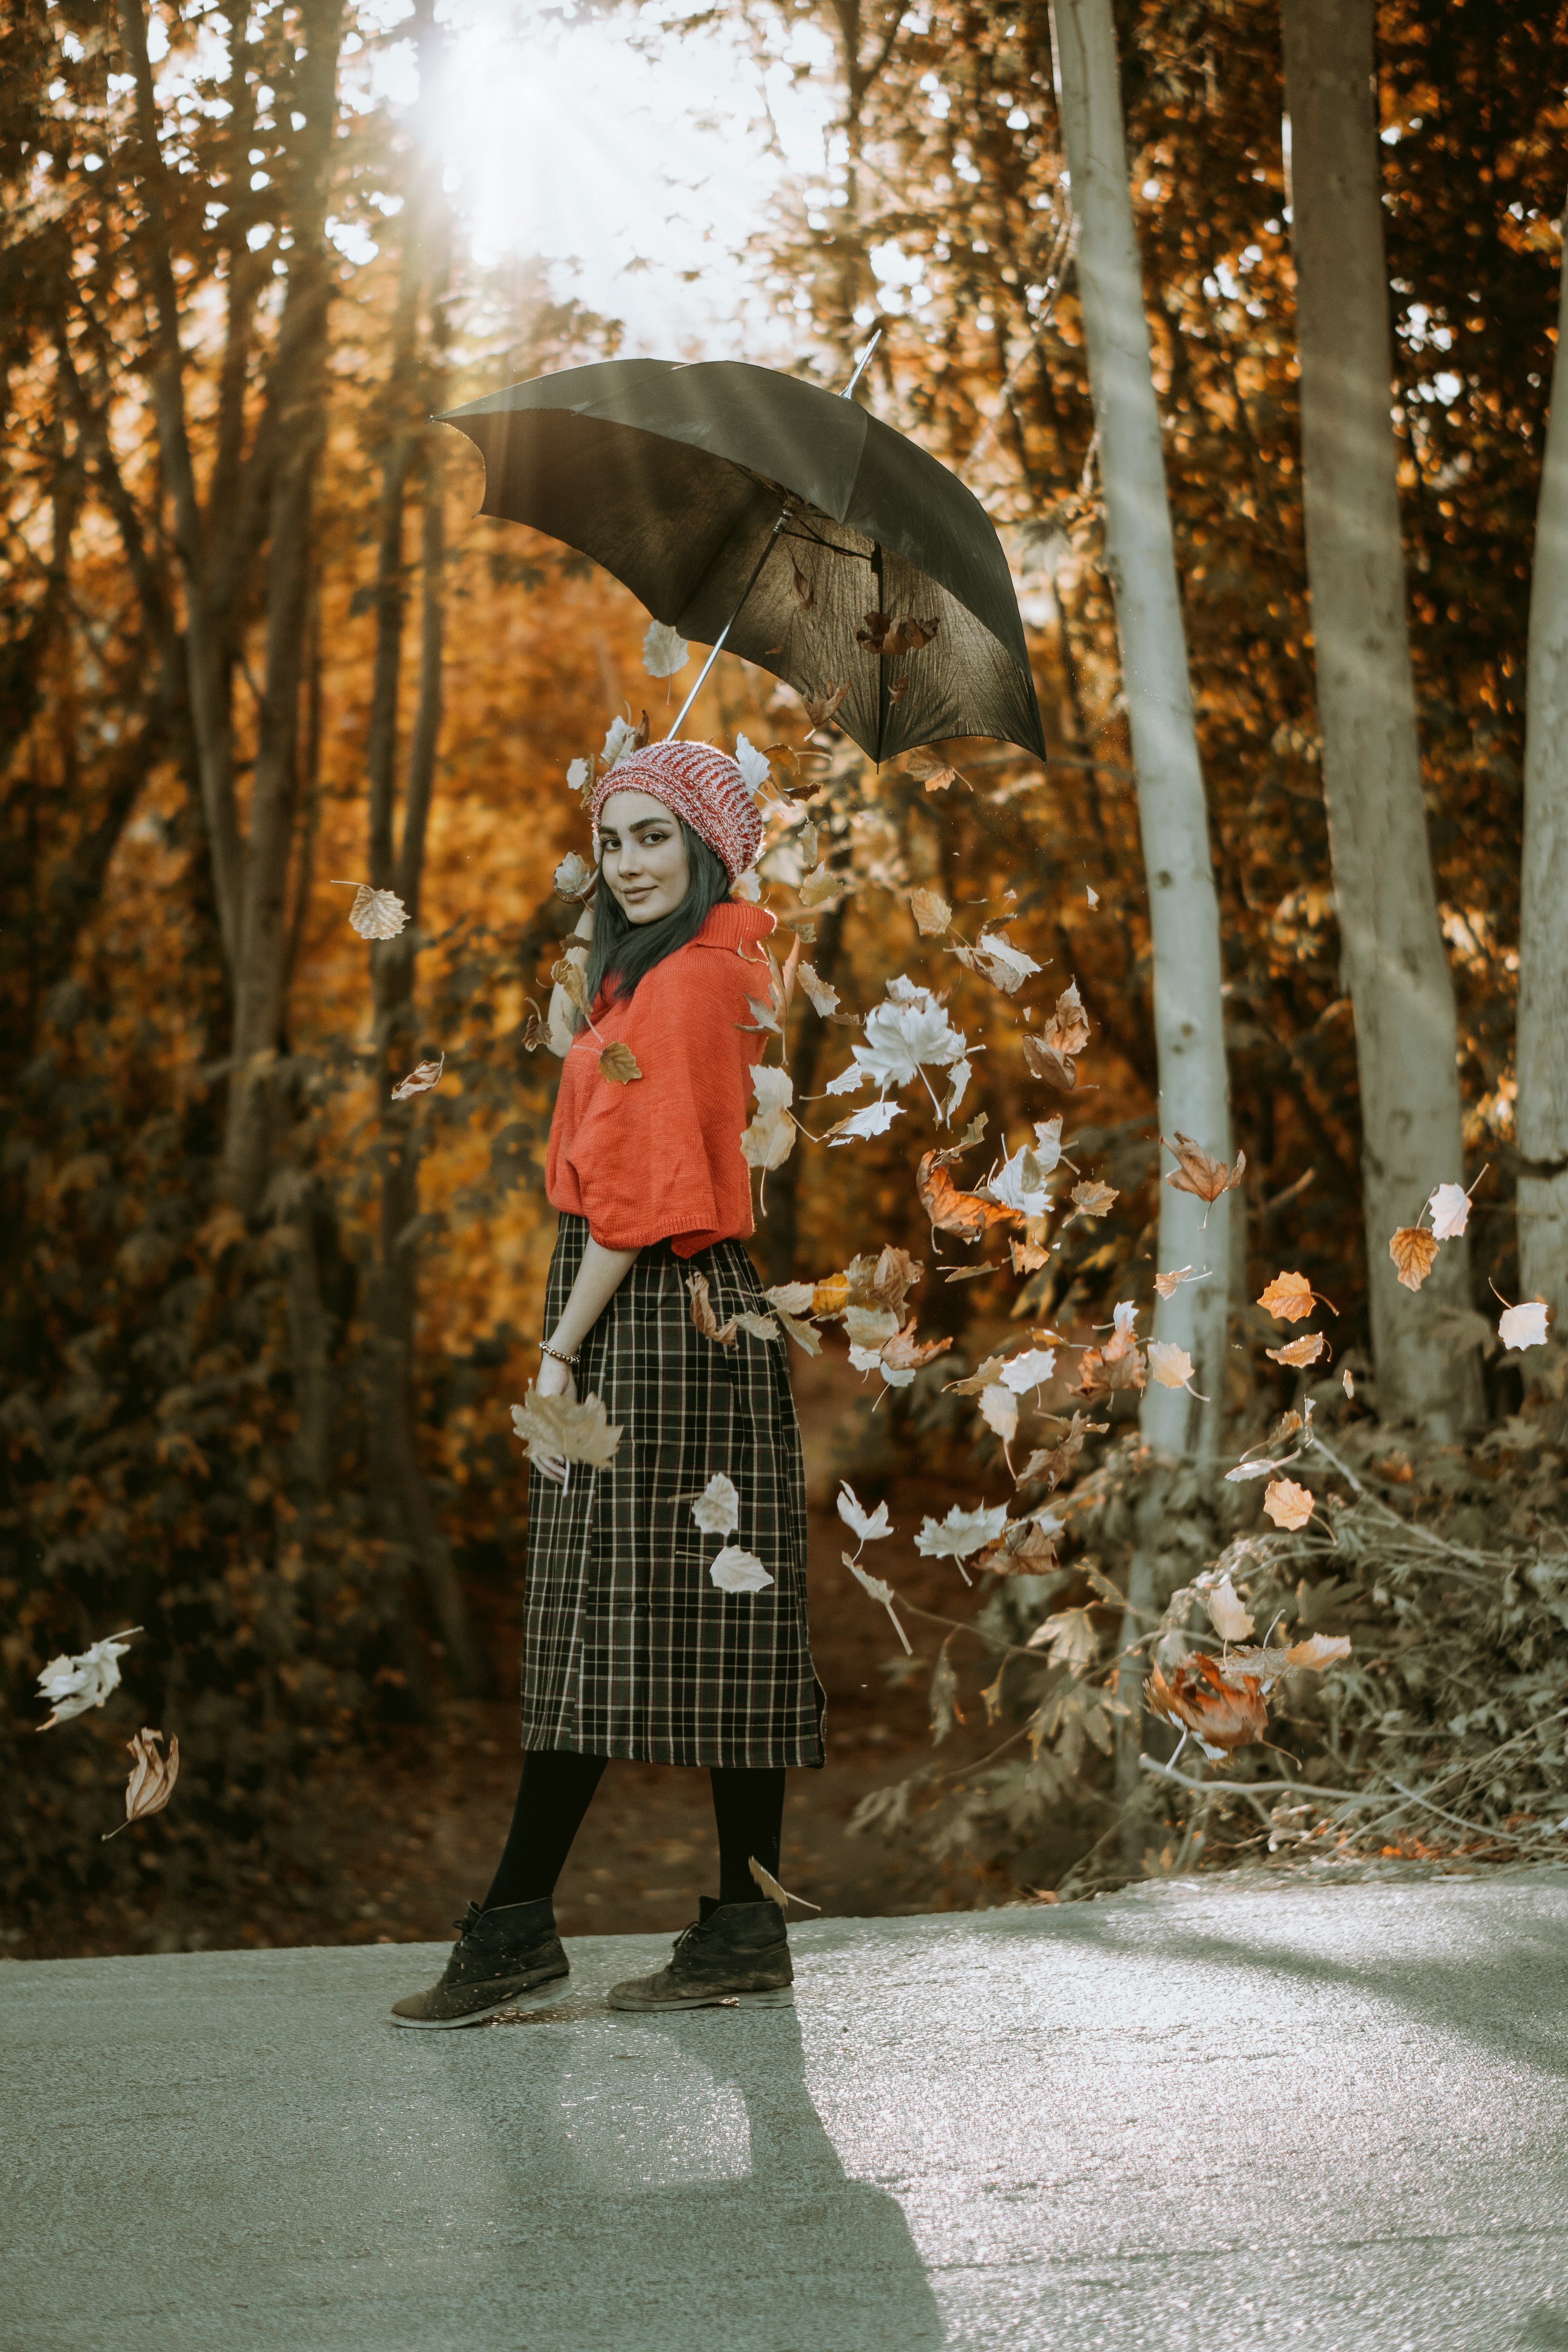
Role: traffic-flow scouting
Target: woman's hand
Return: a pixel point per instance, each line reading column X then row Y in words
column 555, row 1379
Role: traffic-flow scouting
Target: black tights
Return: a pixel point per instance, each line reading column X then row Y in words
column 556, row 1790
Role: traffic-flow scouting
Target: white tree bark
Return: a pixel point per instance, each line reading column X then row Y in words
column 1172, row 815
column 1543, row 1045
column 1393, row 960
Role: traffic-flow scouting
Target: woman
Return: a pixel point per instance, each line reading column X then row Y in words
column 630, row 1648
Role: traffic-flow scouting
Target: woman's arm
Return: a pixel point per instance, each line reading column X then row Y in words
column 599, row 1277
column 559, row 1031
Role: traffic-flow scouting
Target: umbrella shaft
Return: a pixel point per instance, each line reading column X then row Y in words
column 719, row 640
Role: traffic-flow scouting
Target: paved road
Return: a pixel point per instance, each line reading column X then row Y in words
column 1324, row 2118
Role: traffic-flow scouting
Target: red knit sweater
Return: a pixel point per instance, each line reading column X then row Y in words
column 661, row 1156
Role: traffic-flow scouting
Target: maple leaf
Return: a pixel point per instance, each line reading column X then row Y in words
column 1414, row 1253
column 803, row 1334
column 420, row 1079
column 375, row 915
column 904, row 1353
column 663, row 650
column 735, row 1570
column 1172, row 1366
column 1450, row 1207
column 878, row 1591
column 1199, row 1174
column 822, row 884
column 619, row 1063
column 824, row 998
column 580, row 777
column 574, row 878
column 622, row 738
column 702, row 1314
column 571, row 1432
column 1524, row 1327
column 570, row 973
column 1288, row 1297
column 792, row 1298
column 770, row 1138
column 1093, row 1199
column 820, row 708
column 867, row 1327
column 1304, row 1351
column 717, row 1509
column 996, row 959
column 753, row 764
column 887, row 1279
column 1067, row 1029
column 152, row 1777
column 1221, row 1711
column 889, row 635
column 931, row 910
column 1028, row 1369
column 870, row 1527
column 771, row 1888
column 1053, row 1464
column 1045, row 1063
column 953, row 1212
column 1102, row 1371
column 930, row 769
column 1167, row 1285
column 73, row 1684
column 875, row 1119
column 999, row 1411
column 1228, row 1617
column 961, row 1532
column 1027, row 1547
column 909, row 1028
column 1019, row 1184
column 1068, row 1639
column 1288, row 1505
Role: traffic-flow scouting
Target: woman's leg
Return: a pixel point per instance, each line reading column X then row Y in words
column 555, row 1791
column 747, row 1806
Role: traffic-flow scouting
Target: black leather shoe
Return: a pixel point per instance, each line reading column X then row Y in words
column 507, row 1959
column 731, row 1952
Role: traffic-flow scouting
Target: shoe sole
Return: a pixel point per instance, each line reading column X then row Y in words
column 782, row 1997
column 538, row 1999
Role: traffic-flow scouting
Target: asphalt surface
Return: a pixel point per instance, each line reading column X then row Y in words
column 1330, row 2118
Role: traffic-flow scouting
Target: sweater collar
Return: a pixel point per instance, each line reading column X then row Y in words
column 735, row 924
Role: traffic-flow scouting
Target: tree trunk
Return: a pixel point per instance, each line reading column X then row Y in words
column 1183, row 912
column 1543, row 1050
column 1393, row 960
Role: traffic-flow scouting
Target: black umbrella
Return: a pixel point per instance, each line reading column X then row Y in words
column 746, row 507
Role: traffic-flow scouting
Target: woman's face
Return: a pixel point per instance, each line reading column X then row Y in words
column 643, row 856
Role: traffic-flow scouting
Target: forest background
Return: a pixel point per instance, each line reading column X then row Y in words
column 262, row 1323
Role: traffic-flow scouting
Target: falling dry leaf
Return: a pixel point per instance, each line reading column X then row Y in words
column 717, row 1509
column 1524, row 1327
column 419, row 1080
column 961, row 1532
column 1045, row 1063
column 571, row 1432
column 770, row 1138
column 1172, row 1366
column 953, row 1212
column 931, row 912
column 1052, row 1464
column 870, row 1526
column 1304, row 1351
column 1222, row 1711
column 773, row 1891
column 999, row 1411
column 824, row 999
column 1288, row 1505
column 1092, row 895
column 574, row 878
column 820, row 708
column 904, row 1353
column 703, row 1313
column 570, row 973
column 1167, row 1285
column 889, row 634
column 73, row 1684
column 930, row 769
column 663, row 650
column 878, row 1591
column 619, row 1063
column 1414, row 1253
column 1346, row 1382
column 375, row 914
column 735, row 1570
column 996, row 959
column 152, row 1777
column 1068, row 1030
column 1228, row 1616
column 1093, row 1200
column 1288, row 1297
column 1450, row 1207
column 1199, row 1174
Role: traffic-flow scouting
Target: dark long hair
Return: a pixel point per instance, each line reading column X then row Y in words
column 621, row 952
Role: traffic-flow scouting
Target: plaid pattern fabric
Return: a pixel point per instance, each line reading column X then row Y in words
column 629, row 1648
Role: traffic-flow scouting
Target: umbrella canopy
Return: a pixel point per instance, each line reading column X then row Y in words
column 673, row 478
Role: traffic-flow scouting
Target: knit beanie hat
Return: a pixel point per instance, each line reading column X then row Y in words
column 701, row 783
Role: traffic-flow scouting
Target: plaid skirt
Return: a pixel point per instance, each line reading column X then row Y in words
column 629, row 1648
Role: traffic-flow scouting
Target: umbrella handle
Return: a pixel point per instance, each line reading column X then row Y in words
column 719, row 640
